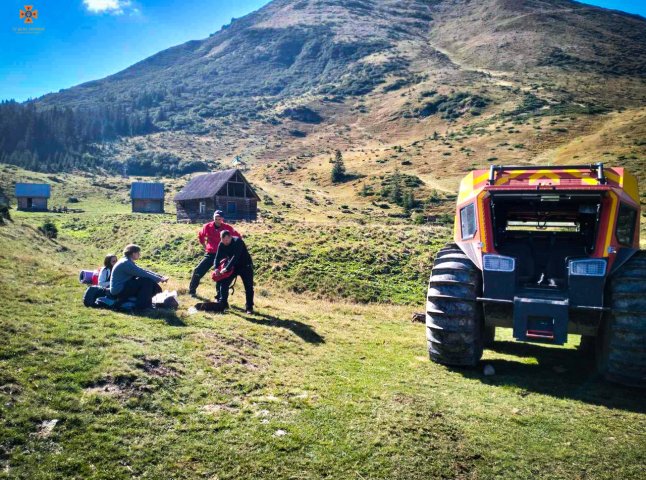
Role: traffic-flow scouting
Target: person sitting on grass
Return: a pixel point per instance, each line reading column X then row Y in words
column 129, row 280
column 106, row 271
column 238, row 258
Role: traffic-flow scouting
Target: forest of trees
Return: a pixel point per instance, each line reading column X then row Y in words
column 60, row 139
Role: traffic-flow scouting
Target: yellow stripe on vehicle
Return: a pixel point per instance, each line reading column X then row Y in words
column 466, row 188
column 481, row 178
column 610, row 175
column 611, row 223
column 481, row 222
column 631, row 187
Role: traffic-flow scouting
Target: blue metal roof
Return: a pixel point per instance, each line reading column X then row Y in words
column 147, row 191
column 32, row 190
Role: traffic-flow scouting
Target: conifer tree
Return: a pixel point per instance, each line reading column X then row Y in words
column 338, row 168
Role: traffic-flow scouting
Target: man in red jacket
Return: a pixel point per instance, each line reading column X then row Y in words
column 209, row 237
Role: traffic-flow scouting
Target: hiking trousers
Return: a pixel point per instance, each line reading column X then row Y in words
column 204, row 266
column 246, row 274
column 144, row 289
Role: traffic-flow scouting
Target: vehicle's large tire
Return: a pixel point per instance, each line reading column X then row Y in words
column 454, row 321
column 621, row 344
column 91, row 294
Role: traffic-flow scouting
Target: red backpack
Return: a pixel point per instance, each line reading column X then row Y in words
column 218, row 277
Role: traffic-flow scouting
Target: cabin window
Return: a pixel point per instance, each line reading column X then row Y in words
column 626, row 220
column 468, row 221
column 231, row 207
column 202, row 207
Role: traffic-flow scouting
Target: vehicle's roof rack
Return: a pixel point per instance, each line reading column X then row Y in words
column 593, row 167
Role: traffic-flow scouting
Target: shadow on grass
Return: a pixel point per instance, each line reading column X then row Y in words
column 301, row 329
column 349, row 177
column 203, row 298
column 561, row 373
column 169, row 316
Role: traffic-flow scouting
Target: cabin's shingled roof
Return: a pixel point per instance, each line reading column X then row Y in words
column 206, row 186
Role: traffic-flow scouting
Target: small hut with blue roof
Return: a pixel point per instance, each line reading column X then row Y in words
column 32, row 197
column 147, row 197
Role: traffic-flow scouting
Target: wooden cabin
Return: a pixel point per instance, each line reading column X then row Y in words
column 32, row 197
column 227, row 190
column 147, row 197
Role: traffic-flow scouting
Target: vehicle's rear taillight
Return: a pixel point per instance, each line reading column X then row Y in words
column 589, row 268
column 498, row 263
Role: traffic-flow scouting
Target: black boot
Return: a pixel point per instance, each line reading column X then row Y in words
column 195, row 282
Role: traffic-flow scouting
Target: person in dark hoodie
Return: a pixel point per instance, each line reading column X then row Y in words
column 238, row 259
column 129, row 280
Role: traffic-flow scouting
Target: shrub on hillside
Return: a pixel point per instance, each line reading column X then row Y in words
column 49, row 229
column 398, row 188
column 165, row 164
column 4, row 214
column 452, row 106
column 4, row 208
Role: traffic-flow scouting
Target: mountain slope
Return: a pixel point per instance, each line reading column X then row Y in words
column 289, row 48
column 553, row 34
column 451, row 84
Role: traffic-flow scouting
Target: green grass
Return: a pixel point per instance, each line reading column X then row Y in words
column 204, row 396
column 371, row 263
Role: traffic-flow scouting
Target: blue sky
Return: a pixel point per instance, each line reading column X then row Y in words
column 85, row 40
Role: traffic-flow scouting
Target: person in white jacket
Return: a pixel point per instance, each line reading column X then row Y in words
column 106, row 272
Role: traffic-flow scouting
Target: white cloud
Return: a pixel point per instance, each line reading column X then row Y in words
column 114, row 7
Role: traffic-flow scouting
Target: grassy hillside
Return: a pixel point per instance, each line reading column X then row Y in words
column 304, row 389
column 329, row 379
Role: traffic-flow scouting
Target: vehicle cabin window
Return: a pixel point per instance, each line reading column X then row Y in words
column 468, row 221
column 626, row 220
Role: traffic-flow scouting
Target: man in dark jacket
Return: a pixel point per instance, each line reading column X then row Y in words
column 238, row 258
column 209, row 238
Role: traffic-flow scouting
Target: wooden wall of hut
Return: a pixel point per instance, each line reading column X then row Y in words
column 148, row 206
column 234, row 208
column 32, row 204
